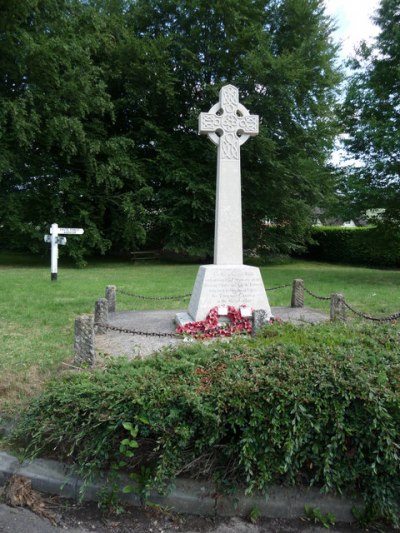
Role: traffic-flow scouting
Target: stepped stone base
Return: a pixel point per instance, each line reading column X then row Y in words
column 227, row 285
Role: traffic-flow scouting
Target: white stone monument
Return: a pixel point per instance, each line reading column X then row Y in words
column 228, row 124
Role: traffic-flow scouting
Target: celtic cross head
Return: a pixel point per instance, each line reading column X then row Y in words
column 228, row 124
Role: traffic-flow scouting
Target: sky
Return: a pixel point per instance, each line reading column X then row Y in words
column 353, row 21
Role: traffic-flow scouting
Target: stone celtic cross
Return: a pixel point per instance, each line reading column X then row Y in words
column 228, row 124
column 228, row 281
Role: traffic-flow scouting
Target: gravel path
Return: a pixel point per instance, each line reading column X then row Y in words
column 114, row 343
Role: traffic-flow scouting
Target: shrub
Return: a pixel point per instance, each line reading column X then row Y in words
column 314, row 405
column 367, row 246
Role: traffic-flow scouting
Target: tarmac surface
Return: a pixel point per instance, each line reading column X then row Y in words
column 84, row 518
column 114, row 343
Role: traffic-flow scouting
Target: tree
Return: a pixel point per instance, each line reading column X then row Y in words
column 281, row 57
column 99, row 103
column 61, row 159
column 371, row 113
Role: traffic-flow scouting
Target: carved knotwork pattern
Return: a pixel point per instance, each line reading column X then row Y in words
column 249, row 124
column 230, row 99
column 210, row 121
column 227, row 121
column 229, row 146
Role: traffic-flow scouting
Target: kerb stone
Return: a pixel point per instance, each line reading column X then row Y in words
column 9, row 465
column 50, row 476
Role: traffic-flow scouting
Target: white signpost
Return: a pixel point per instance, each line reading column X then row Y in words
column 54, row 239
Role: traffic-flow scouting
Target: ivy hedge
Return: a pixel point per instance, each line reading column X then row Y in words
column 375, row 246
column 317, row 405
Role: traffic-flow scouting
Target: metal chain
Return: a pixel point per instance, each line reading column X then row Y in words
column 181, row 296
column 389, row 318
column 316, row 295
column 217, row 329
column 278, row 287
column 136, row 332
column 141, row 297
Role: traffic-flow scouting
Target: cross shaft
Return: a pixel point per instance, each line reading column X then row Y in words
column 228, row 124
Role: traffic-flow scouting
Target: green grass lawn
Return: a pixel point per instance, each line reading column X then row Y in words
column 37, row 315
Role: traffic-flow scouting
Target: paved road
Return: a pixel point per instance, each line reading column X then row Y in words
column 87, row 518
column 18, row 520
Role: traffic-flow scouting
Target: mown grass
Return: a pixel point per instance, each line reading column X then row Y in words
column 37, row 315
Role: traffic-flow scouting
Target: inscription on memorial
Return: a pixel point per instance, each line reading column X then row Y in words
column 218, row 286
column 222, row 288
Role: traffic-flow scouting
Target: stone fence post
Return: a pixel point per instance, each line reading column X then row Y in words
column 84, row 340
column 297, row 293
column 338, row 309
column 259, row 320
column 111, row 297
column 101, row 315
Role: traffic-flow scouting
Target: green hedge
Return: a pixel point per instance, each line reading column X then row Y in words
column 373, row 246
column 315, row 405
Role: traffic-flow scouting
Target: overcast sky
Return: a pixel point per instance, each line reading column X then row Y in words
column 354, row 23
column 353, row 19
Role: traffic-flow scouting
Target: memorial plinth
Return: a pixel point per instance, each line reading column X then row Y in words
column 228, row 124
column 227, row 285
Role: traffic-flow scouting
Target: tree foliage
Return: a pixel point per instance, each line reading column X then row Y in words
column 372, row 116
column 99, row 102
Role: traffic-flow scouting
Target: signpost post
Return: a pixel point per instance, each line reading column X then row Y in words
column 54, row 239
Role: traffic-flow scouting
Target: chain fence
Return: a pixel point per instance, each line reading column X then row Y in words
column 137, row 332
column 278, row 287
column 316, row 296
column 217, row 329
column 182, row 296
column 142, row 297
column 389, row 318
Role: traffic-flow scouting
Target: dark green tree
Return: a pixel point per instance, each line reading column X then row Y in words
column 61, row 157
column 281, row 57
column 99, row 103
column 371, row 113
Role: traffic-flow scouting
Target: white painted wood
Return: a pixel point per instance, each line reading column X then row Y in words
column 54, row 250
column 55, row 240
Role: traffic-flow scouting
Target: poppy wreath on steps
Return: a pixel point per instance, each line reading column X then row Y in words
column 210, row 327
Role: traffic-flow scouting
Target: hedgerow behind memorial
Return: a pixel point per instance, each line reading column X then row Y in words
column 371, row 245
column 314, row 405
